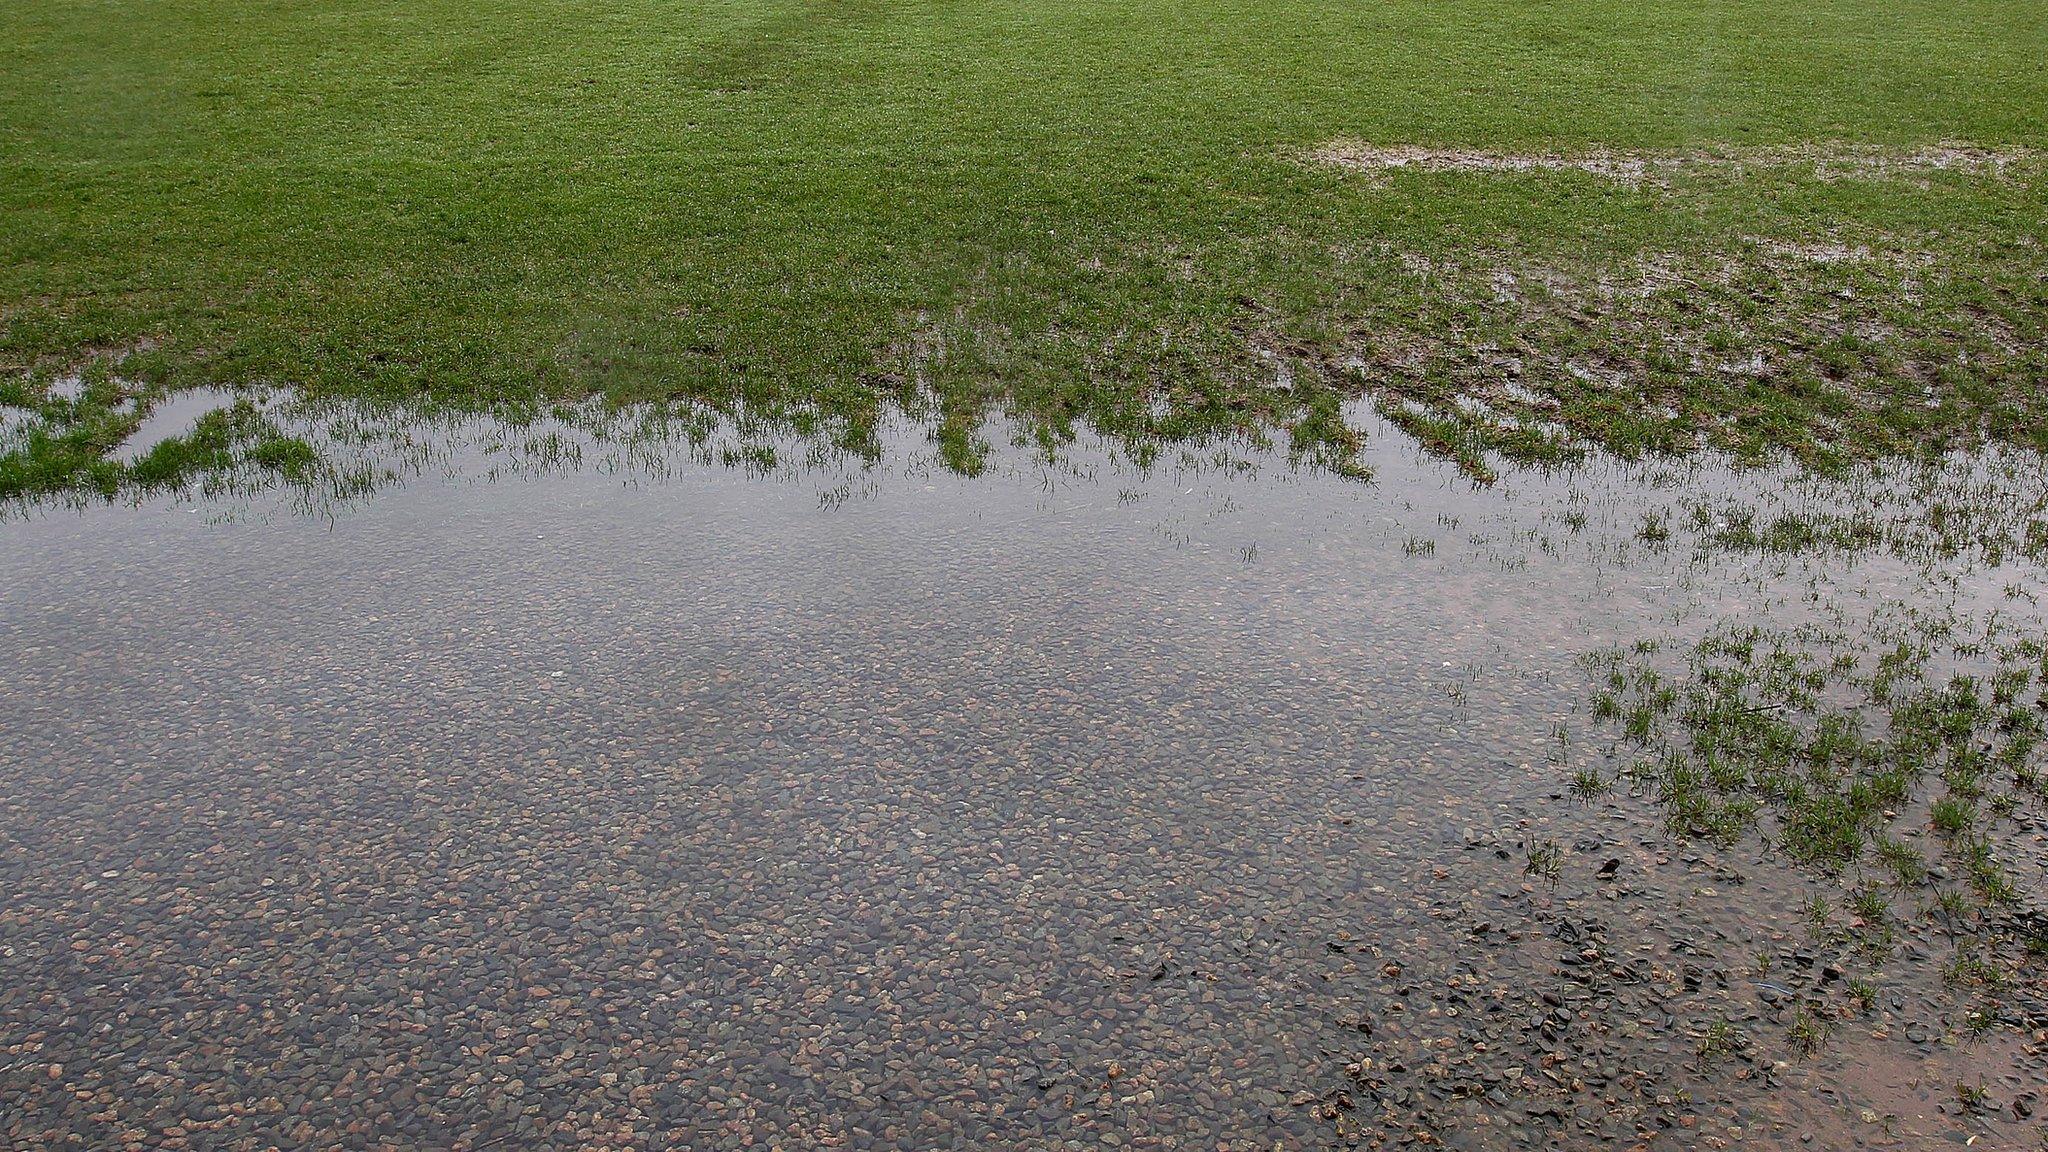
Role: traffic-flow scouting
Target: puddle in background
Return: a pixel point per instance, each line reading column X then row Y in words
column 1075, row 805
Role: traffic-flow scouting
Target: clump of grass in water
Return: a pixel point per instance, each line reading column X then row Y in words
column 220, row 442
column 65, row 441
column 67, row 446
column 1589, row 785
column 1816, row 911
column 1546, row 860
column 1908, row 867
column 1975, row 1098
column 1954, row 909
column 1720, row 1041
column 1750, row 732
column 1987, row 878
column 1868, row 903
column 1970, row 968
column 1809, row 1032
column 1952, row 816
column 1822, row 754
column 1656, row 528
column 2034, row 937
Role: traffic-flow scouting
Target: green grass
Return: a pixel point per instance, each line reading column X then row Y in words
column 1068, row 212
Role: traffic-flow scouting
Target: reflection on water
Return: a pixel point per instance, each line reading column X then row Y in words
column 552, row 791
column 176, row 416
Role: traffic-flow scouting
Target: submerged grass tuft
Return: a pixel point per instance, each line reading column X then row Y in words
column 1827, row 756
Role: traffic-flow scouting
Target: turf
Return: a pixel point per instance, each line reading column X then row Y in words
column 1064, row 210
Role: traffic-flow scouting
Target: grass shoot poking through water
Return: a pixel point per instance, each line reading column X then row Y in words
column 1838, row 762
column 1546, row 861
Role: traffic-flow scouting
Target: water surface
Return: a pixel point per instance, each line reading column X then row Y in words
column 1075, row 805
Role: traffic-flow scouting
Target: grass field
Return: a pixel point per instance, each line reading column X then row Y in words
column 1103, row 212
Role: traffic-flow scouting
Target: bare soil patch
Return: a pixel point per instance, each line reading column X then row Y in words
column 1826, row 161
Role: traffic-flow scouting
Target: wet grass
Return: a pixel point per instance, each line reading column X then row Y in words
column 66, row 437
column 62, row 442
column 1838, row 749
column 817, row 216
column 1757, row 726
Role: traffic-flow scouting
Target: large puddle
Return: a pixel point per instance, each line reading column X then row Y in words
column 1078, row 804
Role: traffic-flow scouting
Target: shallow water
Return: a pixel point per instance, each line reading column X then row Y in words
column 1077, row 804
column 176, row 416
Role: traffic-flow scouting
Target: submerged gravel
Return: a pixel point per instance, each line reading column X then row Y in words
column 1068, row 809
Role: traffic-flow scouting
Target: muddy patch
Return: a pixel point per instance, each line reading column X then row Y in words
column 1417, row 158
column 1824, row 161
column 1830, row 344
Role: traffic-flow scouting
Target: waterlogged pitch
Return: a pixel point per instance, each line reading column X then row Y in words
column 1196, row 576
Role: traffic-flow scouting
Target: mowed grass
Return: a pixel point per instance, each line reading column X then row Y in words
column 1068, row 211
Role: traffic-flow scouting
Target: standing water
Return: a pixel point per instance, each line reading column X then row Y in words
column 1205, row 804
